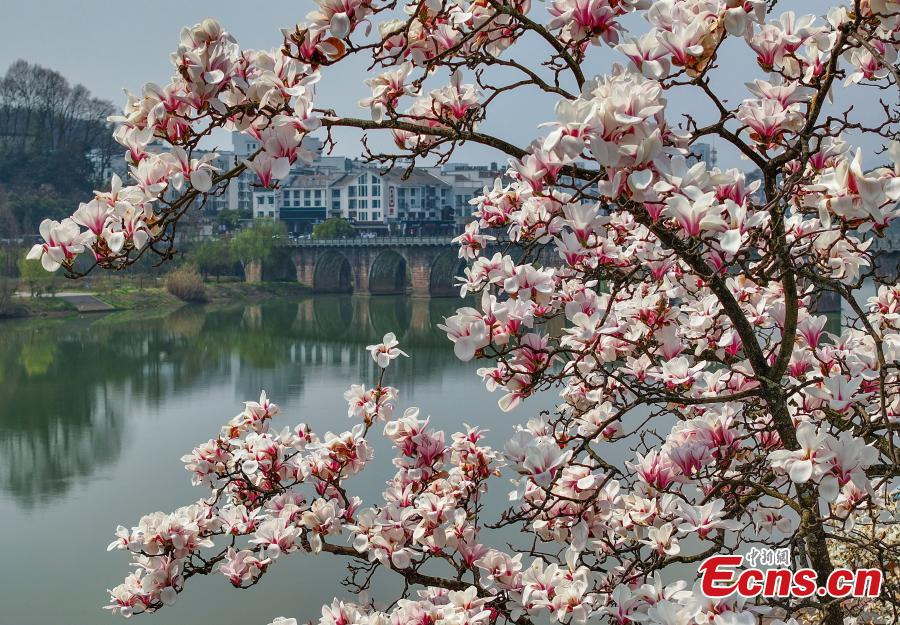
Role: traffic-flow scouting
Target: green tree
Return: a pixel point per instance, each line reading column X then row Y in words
column 229, row 218
column 257, row 242
column 214, row 256
column 334, row 228
column 34, row 275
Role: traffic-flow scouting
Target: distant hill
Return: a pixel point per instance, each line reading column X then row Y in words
column 54, row 142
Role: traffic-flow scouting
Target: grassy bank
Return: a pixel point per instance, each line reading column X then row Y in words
column 41, row 307
column 132, row 296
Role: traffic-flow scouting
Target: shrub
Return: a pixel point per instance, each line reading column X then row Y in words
column 39, row 281
column 186, row 284
column 9, row 307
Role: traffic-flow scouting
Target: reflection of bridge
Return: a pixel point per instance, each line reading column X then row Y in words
column 345, row 320
column 421, row 266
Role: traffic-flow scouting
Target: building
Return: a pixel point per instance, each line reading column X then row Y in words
column 706, row 153
column 417, row 203
column 374, row 201
column 889, row 242
column 466, row 182
column 240, row 194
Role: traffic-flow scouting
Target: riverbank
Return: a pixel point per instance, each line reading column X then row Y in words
column 129, row 297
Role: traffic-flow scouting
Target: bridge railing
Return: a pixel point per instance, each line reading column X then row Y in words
column 373, row 242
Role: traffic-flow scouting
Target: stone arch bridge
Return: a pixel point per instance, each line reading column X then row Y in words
column 420, row 266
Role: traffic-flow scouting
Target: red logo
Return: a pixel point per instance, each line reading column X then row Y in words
column 723, row 575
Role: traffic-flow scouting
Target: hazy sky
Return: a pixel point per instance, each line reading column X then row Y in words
column 108, row 46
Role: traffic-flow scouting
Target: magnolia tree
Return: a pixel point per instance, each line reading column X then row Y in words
column 671, row 304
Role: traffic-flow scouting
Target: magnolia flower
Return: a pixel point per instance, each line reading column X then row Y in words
column 276, row 537
column 678, row 371
column 706, row 518
column 455, row 101
column 542, row 458
column 670, row 613
column 695, row 215
column 63, row 241
column 585, row 19
column 387, row 89
column 468, row 333
column 839, row 391
column 199, row 172
column 803, row 464
column 386, row 351
column 269, row 169
column 647, row 56
column 852, row 456
column 662, row 539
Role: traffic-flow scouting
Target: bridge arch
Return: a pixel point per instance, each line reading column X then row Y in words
column 333, row 273
column 279, row 267
column 389, row 274
column 444, row 270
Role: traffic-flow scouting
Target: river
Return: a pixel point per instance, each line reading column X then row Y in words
column 97, row 410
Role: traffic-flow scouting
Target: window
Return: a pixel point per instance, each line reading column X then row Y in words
column 351, row 204
column 271, row 213
column 307, row 194
column 335, row 205
column 336, row 194
column 296, row 194
column 362, row 179
column 364, row 216
column 364, row 203
column 376, row 189
column 414, row 192
column 376, row 203
column 259, row 199
column 351, row 191
column 318, row 195
column 271, row 199
column 285, row 196
column 376, row 216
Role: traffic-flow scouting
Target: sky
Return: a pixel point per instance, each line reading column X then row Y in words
column 111, row 45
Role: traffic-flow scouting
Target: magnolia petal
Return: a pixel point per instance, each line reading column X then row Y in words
column 49, row 264
column 340, row 25
column 800, row 471
column 730, row 241
column 201, row 179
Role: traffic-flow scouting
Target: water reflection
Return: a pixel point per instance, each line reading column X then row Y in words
column 57, row 377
